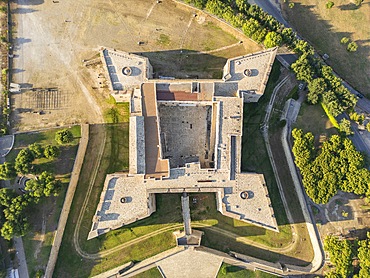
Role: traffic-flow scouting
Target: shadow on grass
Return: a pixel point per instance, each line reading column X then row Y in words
column 185, row 63
column 351, row 6
column 225, row 244
column 323, row 34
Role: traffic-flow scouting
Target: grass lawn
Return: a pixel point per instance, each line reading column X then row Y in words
column 151, row 273
column 205, row 211
column 43, row 217
column 231, row 271
column 117, row 112
column 325, row 28
column 44, row 138
column 115, row 158
column 312, row 118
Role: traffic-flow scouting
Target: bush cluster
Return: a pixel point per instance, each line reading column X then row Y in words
column 336, row 166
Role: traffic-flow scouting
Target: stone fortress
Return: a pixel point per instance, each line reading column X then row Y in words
column 185, row 136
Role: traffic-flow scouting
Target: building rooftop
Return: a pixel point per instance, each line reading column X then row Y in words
column 185, row 136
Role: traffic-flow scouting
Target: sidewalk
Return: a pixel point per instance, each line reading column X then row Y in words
column 22, row 268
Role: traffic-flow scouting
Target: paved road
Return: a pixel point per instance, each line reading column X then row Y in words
column 271, row 7
column 22, row 268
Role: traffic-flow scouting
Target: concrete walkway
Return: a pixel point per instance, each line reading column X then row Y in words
column 6, row 144
column 22, row 268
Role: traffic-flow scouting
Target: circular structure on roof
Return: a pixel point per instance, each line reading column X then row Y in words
column 244, row 195
column 248, row 72
column 126, row 71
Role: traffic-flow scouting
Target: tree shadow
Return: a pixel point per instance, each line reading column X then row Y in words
column 351, row 6
column 17, row 70
column 226, row 244
column 185, row 64
column 23, row 11
column 323, row 34
column 18, row 42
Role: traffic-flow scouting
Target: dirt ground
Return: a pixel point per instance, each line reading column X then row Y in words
column 50, row 45
column 346, row 215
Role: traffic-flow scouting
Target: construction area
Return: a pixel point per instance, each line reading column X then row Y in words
column 185, row 137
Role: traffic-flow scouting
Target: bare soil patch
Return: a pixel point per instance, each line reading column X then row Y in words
column 49, row 48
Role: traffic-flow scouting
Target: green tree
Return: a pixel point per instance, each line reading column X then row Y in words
column 13, row 207
column 329, row 4
column 303, row 69
column 345, row 127
column 340, row 252
column 200, row 4
column 315, row 89
column 6, row 196
column 358, row 118
column 364, row 256
column 337, row 166
column 303, row 47
column 288, row 35
column 272, row 39
column 7, row 171
column 64, row 136
column 352, row 47
column 368, row 127
column 291, row 5
column 44, row 185
column 36, row 149
column 260, row 35
column 250, row 27
column 332, row 274
column 51, row 151
column 242, row 5
column 23, row 161
column 14, row 228
column 216, row 7
column 344, row 40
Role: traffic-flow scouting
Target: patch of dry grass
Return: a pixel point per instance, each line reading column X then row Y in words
column 324, row 28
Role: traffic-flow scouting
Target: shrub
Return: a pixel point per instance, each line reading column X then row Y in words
column 51, row 151
column 36, row 149
column 64, row 136
column 329, row 4
column 344, row 40
column 23, row 161
column 352, row 47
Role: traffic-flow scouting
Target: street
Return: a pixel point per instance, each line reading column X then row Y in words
column 22, row 268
